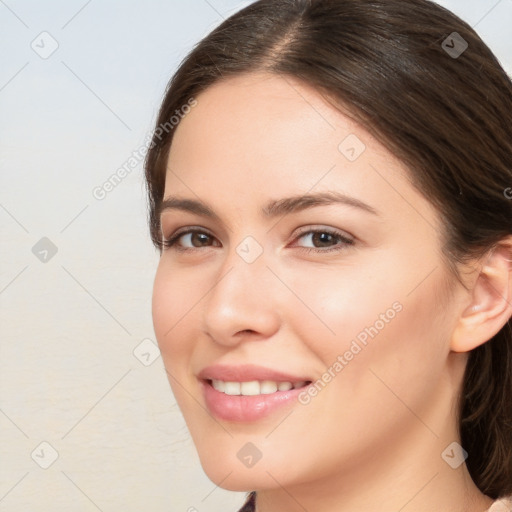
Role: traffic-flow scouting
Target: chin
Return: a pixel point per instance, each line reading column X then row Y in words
column 241, row 478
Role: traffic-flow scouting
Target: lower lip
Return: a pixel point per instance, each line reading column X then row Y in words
column 246, row 408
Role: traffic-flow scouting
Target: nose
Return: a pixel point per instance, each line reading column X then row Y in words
column 242, row 303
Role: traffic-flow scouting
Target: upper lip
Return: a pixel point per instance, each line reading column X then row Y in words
column 247, row 373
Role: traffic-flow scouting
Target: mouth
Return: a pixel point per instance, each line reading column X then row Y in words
column 250, row 401
column 254, row 387
column 247, row 392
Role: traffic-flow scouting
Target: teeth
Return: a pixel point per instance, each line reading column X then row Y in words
column 250, row 388
column 219, row 385
column 254, row 387
column 284, row 386
column 267, row 387
column 232, row 388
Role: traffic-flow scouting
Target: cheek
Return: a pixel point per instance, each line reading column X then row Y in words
column 339, row 305
column 174, row 309
column 388, row 350
column 174, row 304
column 373, row 321
column 394, row 350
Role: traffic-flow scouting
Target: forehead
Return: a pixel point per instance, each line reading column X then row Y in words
column 260, row 135
column 254, row 108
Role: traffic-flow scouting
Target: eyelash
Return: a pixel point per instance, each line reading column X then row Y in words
column 171, row 243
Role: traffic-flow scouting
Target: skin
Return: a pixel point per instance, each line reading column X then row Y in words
column 372, row 439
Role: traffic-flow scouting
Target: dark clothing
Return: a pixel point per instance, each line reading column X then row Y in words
column 249, row 505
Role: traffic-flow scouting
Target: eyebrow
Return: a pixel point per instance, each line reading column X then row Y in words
column 273, row 208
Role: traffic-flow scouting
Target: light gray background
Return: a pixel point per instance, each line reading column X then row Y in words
column 70, row 325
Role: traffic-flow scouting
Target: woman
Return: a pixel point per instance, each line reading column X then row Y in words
column 329, row 188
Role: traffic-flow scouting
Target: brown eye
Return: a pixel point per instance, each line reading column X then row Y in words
column 324, row 238
column 321, row 239
column 198, row 239
column 190, row 239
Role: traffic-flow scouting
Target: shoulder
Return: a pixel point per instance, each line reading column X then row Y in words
column 502, row 505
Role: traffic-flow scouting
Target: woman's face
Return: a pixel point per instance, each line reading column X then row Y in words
column 314, row 261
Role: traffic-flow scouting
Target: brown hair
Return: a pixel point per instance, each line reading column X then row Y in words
column 443, row 109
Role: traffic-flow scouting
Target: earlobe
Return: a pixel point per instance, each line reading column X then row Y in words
column 490, row 307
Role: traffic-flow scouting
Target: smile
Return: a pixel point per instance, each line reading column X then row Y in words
column 254, row 387
column 247, row 392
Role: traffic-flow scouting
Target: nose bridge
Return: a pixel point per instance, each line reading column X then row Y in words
column 244, row 270
column 241, row 298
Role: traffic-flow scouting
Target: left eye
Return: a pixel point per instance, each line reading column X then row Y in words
column 323, row 238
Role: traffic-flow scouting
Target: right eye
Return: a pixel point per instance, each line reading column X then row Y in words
column 189, row 240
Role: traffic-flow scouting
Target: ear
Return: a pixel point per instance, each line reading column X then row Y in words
column 490, row 305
